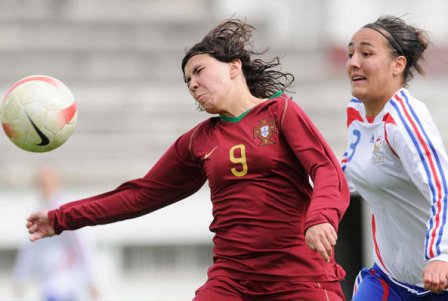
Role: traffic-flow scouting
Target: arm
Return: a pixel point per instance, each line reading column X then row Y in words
column 419, row 146
column 174, row 177
column 330, row 197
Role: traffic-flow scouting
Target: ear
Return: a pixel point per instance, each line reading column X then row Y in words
column 235, row 68
column 399, row 65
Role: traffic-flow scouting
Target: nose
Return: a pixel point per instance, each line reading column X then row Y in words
column 353, row 61
column 193, row 85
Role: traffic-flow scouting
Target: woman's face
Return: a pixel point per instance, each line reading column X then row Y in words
column 373, row 72
column 209, row 81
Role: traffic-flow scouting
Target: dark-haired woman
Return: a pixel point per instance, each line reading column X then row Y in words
column 274, row 231
column 397, row 162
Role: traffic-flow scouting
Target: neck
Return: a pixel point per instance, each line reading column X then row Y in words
column 241, row 103
column 375, row 106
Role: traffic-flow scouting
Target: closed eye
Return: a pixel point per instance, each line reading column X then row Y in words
column 198, row 70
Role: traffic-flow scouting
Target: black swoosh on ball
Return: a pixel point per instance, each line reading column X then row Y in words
column 45, row 140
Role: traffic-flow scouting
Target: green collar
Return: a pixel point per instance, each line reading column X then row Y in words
column 276, row 94
column 234, row 119
column 238, row 118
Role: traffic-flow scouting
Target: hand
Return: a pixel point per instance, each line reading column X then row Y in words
column 435, row 276
column 321, row 238
column 39, row 225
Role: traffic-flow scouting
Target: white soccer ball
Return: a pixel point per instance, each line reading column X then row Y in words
column 38, row 113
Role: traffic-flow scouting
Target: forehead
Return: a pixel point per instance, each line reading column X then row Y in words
column 197, row 60
column 368, row 36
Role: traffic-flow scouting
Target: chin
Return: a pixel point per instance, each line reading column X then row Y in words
column 210, row 110
column 357, row 93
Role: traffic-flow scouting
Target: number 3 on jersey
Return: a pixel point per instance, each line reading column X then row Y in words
column 237, row 155
column 357, row 135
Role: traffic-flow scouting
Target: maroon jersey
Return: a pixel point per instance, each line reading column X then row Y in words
column 258, row 167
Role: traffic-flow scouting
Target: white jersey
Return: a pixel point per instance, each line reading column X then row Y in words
column 398, row 164
column 62, row 264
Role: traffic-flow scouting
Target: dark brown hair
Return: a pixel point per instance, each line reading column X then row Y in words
column 231, row 40
column 404, row 40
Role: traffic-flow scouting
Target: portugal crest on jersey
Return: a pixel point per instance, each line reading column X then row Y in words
column 264, row 131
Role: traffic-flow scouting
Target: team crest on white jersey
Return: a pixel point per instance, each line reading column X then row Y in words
column 377, row 156
column 264, row 131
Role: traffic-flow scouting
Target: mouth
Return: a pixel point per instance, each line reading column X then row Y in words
column 358, row 78
column 198, row 97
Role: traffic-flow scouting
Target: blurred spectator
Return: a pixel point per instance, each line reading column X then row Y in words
column 62, row 265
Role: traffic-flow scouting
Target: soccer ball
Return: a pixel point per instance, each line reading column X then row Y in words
column 38, row 113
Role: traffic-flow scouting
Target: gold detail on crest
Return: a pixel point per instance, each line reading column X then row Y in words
column 377, row 146
column 377, row 157
column 264, row 131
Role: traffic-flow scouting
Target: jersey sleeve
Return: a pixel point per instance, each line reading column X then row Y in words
column 330, row 196
column 174, row 177
column 418, row 144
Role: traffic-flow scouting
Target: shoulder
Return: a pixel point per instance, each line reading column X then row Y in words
column 407, row 110
column 185, row 141
column 355, row 111
column 411, row 120
column 283, row 102
column 282, row 106
column 202, row 131
column 279, row 99
column 202, row 126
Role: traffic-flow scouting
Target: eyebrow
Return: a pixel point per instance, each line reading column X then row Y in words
column 195, row 69
column 361, row 44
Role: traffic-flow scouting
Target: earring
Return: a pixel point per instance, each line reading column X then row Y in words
column 199, row 107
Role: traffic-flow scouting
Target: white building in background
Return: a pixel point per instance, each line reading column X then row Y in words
column 122, row 61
